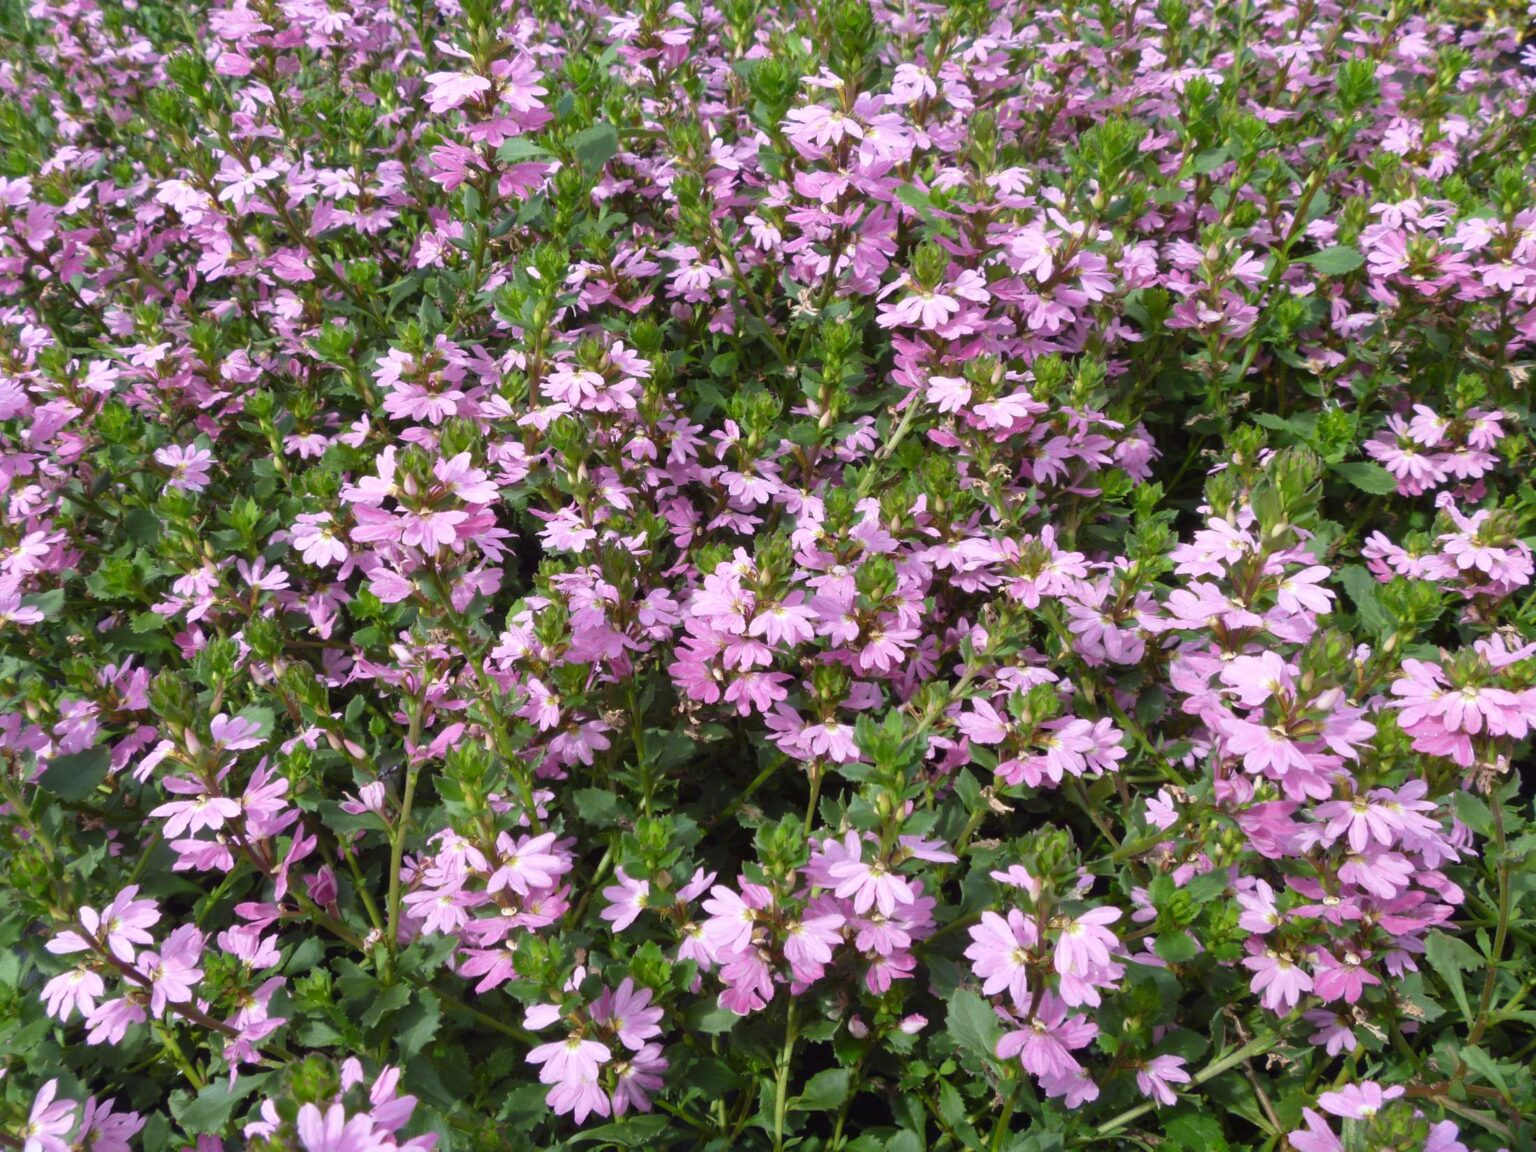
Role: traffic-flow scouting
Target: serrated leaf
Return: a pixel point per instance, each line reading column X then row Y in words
column 1367, row 477
column 1335, row 261
column 917, row 200
column 1208, row 162
column 973, row 1024
column 823, row 1092
column 1448, row 957
column 1208, row 885
column 708, row 1017
column 142, row 526
column 1176, row 947
column 1279, row 424
column 418, row 1025
column 386, row 1002
column 597, row 806
column 210, row 1110
column 74, row 777
column 1472, row 812
column 1484, row 1065
column 147, row 622
column 631, row 1132
column 1195, row 1132
column 1038, row 1142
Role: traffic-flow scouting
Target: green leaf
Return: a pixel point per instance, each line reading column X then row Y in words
column 823, row 1092
column 595, row 146
column 261, row 717
column 597, row 806
column 1176, row 947
column 1335, row 261
column 1195, row 1132
column 1361, row 587
column 1367, row 477
column 211, row 1109
column 1280, row 424
column 148, row 622
column 1208, row 162
column 917, row 200
column 1208, row 885
column 518, row 149
column 631, row 1132
column 1472, row 812
column 142, row 525
column 418, row 1025
column 1483, row 1064
column 308, row 954
column 973, row 1024
column 1449, row 957
column 1038, row 1142
column 74, row 777
column 708, row 1017
column 386, row 1002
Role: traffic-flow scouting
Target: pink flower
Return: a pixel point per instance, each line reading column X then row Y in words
column 74, row 990
column 332, row 1131
column 118, row 927
column 1084, row 944
column 173, row 972
column 1340, row 979
column 1277, row 976
column 999, row 953
column 869, row 885
column 1317, row 1136
column 49, row 1122
column 1358, row 1101
column 579, row 1096
column 569, row 1060
column 748, row 979
column 526, row 864
column 983, row 725
column 1046, row 1043
column 447, row 90
column 626, row 900
column 13, row 612
column 1156, row 1077
column 809, row 942
column 200, row 812
column 636, row 1078
column 109, row 1022
column 189, row 466
column 108, row 1130
column 235, row 733
column 731, row 921
column 628, row 1012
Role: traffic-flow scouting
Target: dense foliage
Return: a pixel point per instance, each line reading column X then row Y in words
column 874, row 575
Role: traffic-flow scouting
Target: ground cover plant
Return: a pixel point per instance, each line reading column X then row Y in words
column 849, row 576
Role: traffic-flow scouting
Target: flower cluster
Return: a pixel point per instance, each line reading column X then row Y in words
column 861, row 575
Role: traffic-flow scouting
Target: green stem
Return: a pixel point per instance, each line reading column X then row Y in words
column 765, row 775
column 362, row 889
column 1001, row 1129
column 173, row 1049
column 1255, row 1047
column 781, row 1080
column 402, row 823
